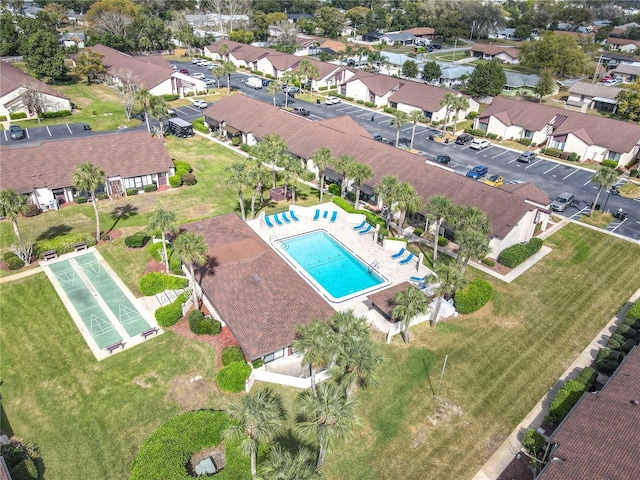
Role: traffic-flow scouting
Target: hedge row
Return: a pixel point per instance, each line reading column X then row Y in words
column 175, row 264
column 137, row 240
column 58, row 114
column 634, row 312
column 201, row 325
column 198, row 124
column 64, row 243
column 587, row 376
column 165, row 453
column 473, row 296
column 564, row 401
column 169, row 314
column 371, row 217
column 232, row 354
column 516, row 254
column 155, row 282
column 552, row 152
column 233, row 377
column 17, row 115
column 534, row 442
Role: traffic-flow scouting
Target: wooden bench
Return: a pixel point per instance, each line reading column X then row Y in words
column 80, row 246
column 147, row 333
column 115, row 346
column 49, row 254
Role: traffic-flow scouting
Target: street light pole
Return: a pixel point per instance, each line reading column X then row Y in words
column 242, row 86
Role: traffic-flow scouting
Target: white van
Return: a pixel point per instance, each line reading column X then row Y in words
column 254, row 82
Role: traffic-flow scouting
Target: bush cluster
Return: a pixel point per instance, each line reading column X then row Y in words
column 198, row 124
column 634, row 312
column 175, row 181
column 154, row 282
column 533, row 442
column 201, row 325
column 587, row 376
column 80, row 199
column 132, row 191
column 137, row 240
column 418, row 231
column 3, row 118
column 58, row 114
column 552, row 152
column 102, row 196
column 175, row 264
column 334, row 189
column 473, row 296
column 475, row 132
column 182, row 167
column 21, row 460
column 170, row 97
column 189, row 179
column 489, row 262
column 516, row 254
column 17, row 115
column 369, row 104
column 610, row 163
column 472, row 115
column 64, row 243
column 524, row 141
column 390, row 110
column 573, row 157
column 13, row 261
column 626, row 331
column 360, row 102
column 152, row 187
column 492, row 136
column 232, row 354
column 233, row 377
column 31, row 210
column 442, row 241
column 169, row 314
column 564, row 401
column 371, row 217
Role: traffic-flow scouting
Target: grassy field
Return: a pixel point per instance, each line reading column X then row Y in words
column 89, row 417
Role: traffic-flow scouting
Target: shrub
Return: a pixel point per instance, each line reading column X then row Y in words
column 618, row 338
column 195, row 319
column 587, row 376
column 564, row 155
column 257, row 363
column 64, row 243
column 25, row 470
column 489, row 262
column 524, row 141
column 627, row 345
column 442, row 241
column 360, row 102
column 31, row 210
column 473, row 296
column 552, row 152
column 201, row 325
column 418, row 231
column 564, row 401
column 233, row 377
column 232, row 354
column 14, row 262
column 17, row 115
column 472, row 115
column 132, row 191
column 534, row 442
column 323, row 88
column 180, row 165
column 102, row 196
column 626, row 331
column 189, row 94
column 198, row 124
column 370, row 217
column 137, row 240
column 369, row 104
column 235, row 141
column 634, row 311
column 516, row 254
column 81, row 199
column 608, row 354
column 573, row 157
column 610, row 163
column 334, row 189
column 175, row 181
column 3, row 118
column 613, row 343
column 189, row 179
column 152, row 187
column 492, row 136
column 58, row 114
column 390, row 110
column 155, row 282
column 170, row 314
column 606, row 366
column 170, row 97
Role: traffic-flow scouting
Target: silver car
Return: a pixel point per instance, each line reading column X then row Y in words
column 562, row 201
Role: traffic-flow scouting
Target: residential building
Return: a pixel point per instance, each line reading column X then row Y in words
column 503, row 34
column 591, row 137
column 427, row 98
column 454, row 75
column 371, row 87
column 14, row 82
column 44, row 172
column 622, row 29
column 72, row 39
column 628, row 73
column 421, row 32
column 371, row 37
column 504, row 54
column 519, row 83
column 398, row 38
column 584, row 96
column 623, row 44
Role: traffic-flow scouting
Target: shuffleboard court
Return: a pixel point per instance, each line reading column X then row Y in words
column 117, row 301
column 87, row 307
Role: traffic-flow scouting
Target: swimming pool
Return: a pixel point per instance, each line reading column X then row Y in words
column 330, row 266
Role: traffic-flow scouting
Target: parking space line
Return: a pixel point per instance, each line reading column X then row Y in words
column 570, row 174
column 587, row 183
column 616, row 227
column 69, row 128
column 28, row 136
column 532, row 164
column 555, row 166
column 495, row 156
column 406, row 129
column 483, row 150
column 384, row 121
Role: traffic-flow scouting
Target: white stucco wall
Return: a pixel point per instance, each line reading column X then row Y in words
column 52, row 103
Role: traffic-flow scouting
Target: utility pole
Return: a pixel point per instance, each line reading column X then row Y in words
column 444, row 365
column 595, row 74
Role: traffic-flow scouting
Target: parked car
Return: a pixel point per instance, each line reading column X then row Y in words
column 200, row 104
column 436, row 46
column 562, row 201
column 526, row 157
column 477, row 172
column 612, row 83
column 254, row 82
column 444, row 159
column 494, row 180
column 185, row 71
column 479, row 144
column 332, row 100
column 210, row 81
column 464, row 139
column 172, row 112
column 195, row 60
column 289, row 89
column 301, row 111
column 606, row 78
column 206, row 64
column 377, row 137
column 16, row 132
column 266, row 82
column 198, row 75
column 175, row 67
column 389, row 141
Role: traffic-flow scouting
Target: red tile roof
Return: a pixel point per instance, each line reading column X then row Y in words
column 255, row 292
column 11, row 77
column 421, row 95
column 241, row 51
column 599, row 437
column 52, row 163
column 379, row 84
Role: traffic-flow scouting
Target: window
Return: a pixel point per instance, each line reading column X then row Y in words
column 272, row 356
column 614, row 156
column 528, row 134
column 483, row 126
column 137, row 182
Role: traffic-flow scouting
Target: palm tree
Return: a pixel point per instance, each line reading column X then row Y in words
column 399, row 119
column 460, row 103
column 257, row 177
column 218, row 72
column 606, row 177
column 158, row 108
column 347, row 325
column 387, row 191
column 328, row 417
column 259, row 417
column 322, row 158
column 11, row 204
column 191, row 248
column 237, row 177
column 314, row 342
column 343, row 164
column 272, row 89
column 356, row 363
column 294, row 170
column 360, row 172
column 450, row 279
column 229, row 67
column 287, row 78
column 224, row 51
column 439, row 206
column 87, row 178
column 144, row 97
column 269, row 150
column 448, row 100
column 473, row 243
column 406, row 305
column 465, row 216
column 283, row 465
column 408, row 201
column 166, row 222
column 307, row 71
column 415, row 116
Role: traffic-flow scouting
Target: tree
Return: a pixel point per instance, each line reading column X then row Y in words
column 431, row 71
column 356, row 363
column 166, row 222
column 322, row 158
column 9, row 39
column 257, row 177
column 191, row 248
column 605, row 177
column 343, row 164
column 89, row 63
column 270, row 150
column 629, row 100
column 328, row 417
column 314, row 341
column 460, row 103
column 387, row 191
column 294, row 171
column 448, row 101
column 410, row 69
column 272, row 89
column 450, row 279
column 546, row 84
column 467, row 217
column 143, row 96
column 228, row 67
column 11, row 204
column 440, row 207
column 288, row 77
column 43, row 55
column 158, row 109
column 408, row 304
column 281, row 464
column 218, row 72
column 87, row 178
column 35, row 102
column 182, row 30
column 487, row 79
column 112, row 16
column 308, row 72
column 399, row 119
column 408, row 201
column 561, row 54
column 328, row 19
column 415, row 116
column 360, row 172
column 259, row 417
column 473, row 243
column 123, row 83
column 237, row 177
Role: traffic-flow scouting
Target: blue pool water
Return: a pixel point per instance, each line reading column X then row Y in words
column 330, row 266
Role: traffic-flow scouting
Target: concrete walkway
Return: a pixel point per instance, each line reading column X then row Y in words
column 20, row 275
column 511, row 446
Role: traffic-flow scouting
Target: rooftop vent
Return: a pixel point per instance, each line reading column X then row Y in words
column 634, row 402
column 256, row 278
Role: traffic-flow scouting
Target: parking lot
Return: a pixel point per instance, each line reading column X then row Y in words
column 36, row 135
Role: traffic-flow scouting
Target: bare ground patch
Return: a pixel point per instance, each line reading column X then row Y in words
column 191, row 391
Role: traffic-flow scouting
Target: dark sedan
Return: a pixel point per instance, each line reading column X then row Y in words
column 16, row 132
column 444, row 159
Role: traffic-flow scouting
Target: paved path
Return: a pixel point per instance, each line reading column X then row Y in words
column 20, row 275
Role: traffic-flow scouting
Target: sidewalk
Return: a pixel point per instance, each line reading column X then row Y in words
column 492, row 469
column 20, row 275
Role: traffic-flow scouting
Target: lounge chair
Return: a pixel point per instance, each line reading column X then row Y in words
column 334, row 215
column 358, row 227
column 399, row 254
column 366, row 230
column 325, row 214
column 268, row 222
column 418, row 279
column 285, row 218
column 276, row 219
column 293, row 216
column 316, row 216
column 407, row 259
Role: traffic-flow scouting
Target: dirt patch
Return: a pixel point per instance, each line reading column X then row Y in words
column 420, row 435
column 216, row 454
column 192, row 391
column 444, row 412
column 147, row 381
column 153, row 266
column 224, row 339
